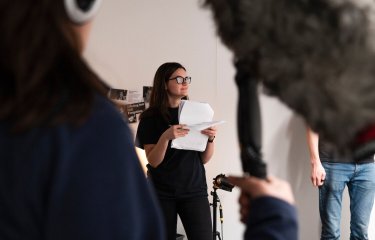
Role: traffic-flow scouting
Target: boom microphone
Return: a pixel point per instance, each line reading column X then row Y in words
column 316, row 56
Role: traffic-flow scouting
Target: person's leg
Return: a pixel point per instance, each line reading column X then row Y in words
column 195, row 215
column 170, row 216
column 330, row 198
column 361, row 191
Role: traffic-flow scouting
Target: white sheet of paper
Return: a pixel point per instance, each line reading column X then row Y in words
column 191, row 112
column 197, row 116
column 204, row 125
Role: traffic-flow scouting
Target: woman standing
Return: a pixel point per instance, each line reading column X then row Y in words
column 178, row 175
column 68, row 169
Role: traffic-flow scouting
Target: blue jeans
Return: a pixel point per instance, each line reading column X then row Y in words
column 360, row 179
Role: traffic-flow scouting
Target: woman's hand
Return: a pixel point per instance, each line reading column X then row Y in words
column 210, row 132
column 176, row 131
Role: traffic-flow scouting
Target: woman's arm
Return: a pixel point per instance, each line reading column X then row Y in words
column 207, row 154
column 155, row 152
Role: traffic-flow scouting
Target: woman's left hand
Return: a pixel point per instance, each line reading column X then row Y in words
column 210, row 132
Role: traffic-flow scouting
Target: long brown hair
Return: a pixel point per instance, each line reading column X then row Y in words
column 159, row 96
column 44, row 79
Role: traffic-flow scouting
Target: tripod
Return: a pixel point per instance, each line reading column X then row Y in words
column 220, row 182
column 215, row 200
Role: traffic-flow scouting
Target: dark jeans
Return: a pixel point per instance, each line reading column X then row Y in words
column 195, row 215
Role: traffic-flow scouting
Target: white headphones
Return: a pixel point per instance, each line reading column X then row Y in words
column 81, row 11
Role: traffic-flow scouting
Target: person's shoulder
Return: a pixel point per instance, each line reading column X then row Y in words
column 103, row 106
column 105, row 123
column 103, row 102
column 105, row 114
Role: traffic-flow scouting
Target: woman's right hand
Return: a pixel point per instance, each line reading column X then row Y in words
column 176, row 131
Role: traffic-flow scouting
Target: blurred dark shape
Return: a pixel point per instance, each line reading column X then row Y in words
column 221, row 182
column 249, row 123
column 316, row 56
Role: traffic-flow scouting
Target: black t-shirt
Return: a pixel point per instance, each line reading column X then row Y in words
column 328, row 154
column 181, row 174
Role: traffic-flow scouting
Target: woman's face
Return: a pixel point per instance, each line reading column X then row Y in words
column 174, row 89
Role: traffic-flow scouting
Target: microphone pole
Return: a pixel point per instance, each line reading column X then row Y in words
column 249, row 122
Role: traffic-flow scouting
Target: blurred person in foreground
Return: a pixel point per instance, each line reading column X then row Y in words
column 68, row 168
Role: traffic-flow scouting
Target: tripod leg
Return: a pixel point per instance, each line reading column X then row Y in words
column 218, row 235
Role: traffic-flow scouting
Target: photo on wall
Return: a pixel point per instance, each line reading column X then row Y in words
column 147, row 93
column 129, row 102
column 134, row 110
column 118, row 94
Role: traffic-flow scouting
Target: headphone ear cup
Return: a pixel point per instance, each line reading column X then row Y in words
column 81, row 11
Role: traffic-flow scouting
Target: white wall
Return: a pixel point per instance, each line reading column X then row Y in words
column 131, row 38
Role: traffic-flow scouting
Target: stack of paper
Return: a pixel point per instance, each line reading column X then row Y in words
column 197, row 116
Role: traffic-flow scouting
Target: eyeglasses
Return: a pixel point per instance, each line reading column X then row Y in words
column 181, row 80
